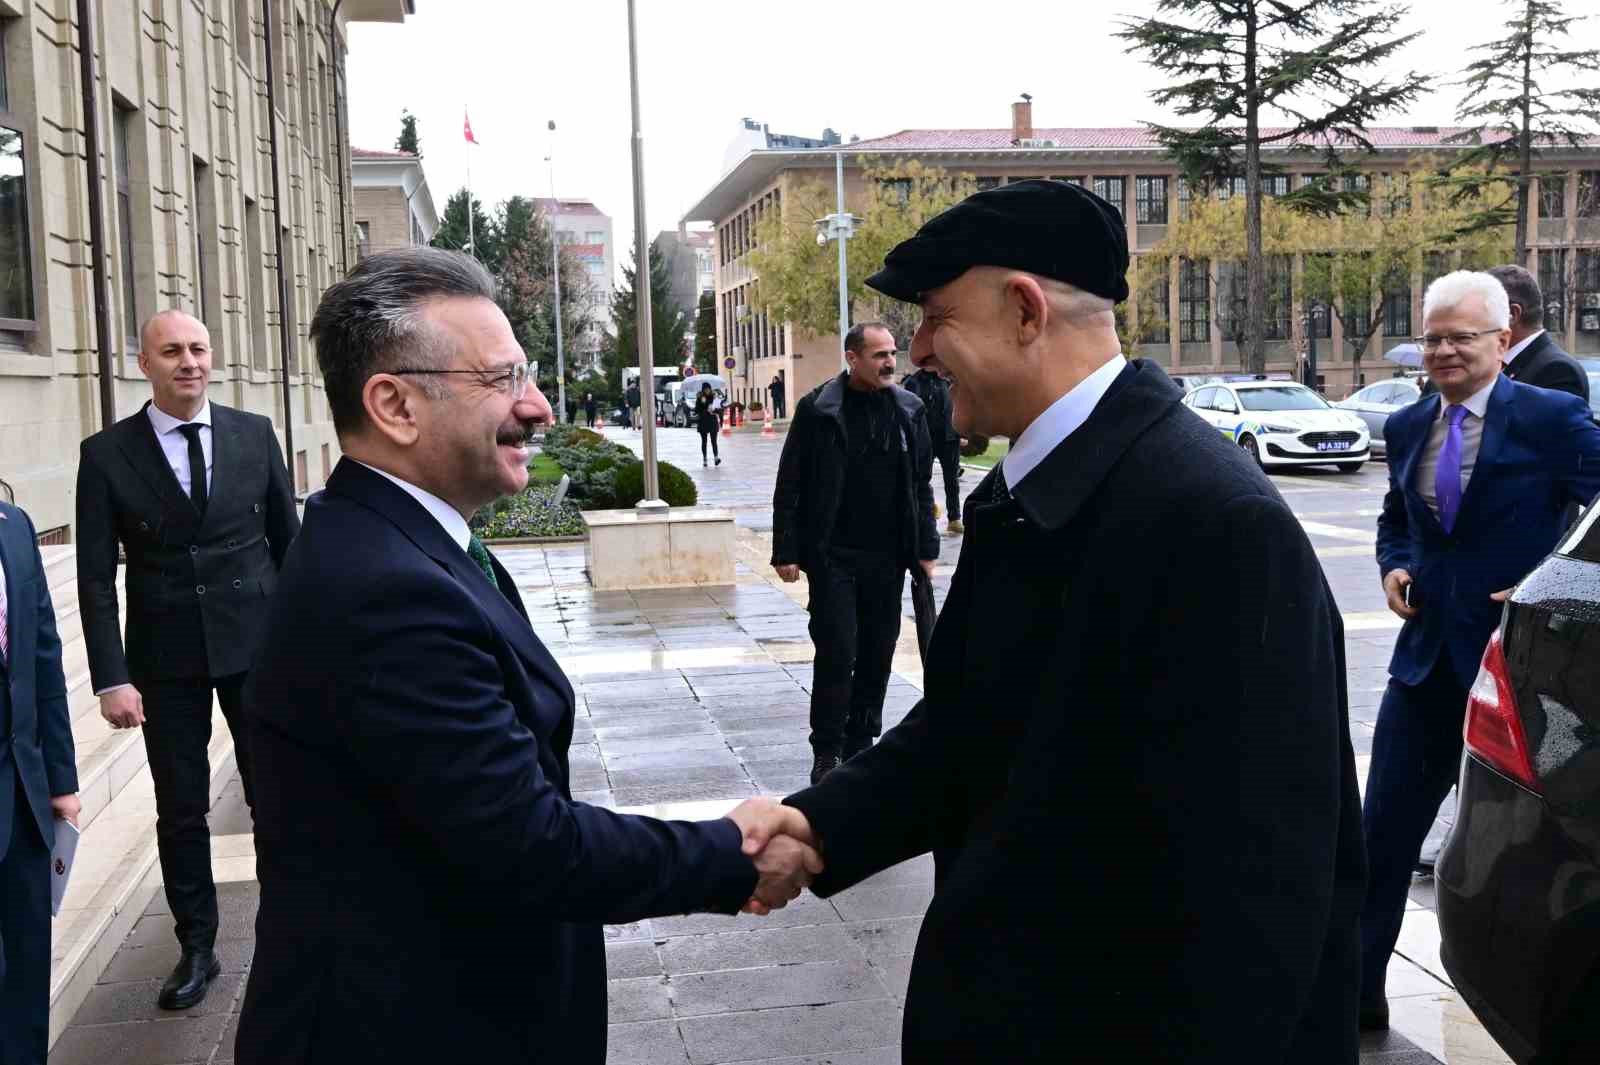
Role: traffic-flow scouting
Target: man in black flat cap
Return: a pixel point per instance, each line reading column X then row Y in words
column 1139, row 793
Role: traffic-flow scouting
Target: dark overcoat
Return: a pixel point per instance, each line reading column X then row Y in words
column 1132, row 765
column 430, row 893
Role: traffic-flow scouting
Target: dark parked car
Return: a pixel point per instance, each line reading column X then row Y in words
column 1519, row 875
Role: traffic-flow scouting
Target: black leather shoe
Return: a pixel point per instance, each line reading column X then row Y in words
column 188, row 982
column 822, row 766
column 1375, row 1018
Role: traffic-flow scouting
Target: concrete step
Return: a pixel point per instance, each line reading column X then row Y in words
column 113, row 880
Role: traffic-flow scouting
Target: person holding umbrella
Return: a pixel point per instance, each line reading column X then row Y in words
column 706, row 421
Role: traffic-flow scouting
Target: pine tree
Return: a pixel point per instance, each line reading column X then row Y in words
column 705, row 332
column 668, row 323
column 408, row 141
column 453, row 232
column 527, row 285
column 1522, row 96
column 1231, row 60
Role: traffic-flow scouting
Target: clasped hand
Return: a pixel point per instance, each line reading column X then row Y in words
column 779, row 840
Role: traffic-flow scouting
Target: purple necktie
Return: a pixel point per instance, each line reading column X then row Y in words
column 1447, row 478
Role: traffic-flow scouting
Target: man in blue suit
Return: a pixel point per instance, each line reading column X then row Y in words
column 430, row 892
column 38, row 785
column 1480, row 476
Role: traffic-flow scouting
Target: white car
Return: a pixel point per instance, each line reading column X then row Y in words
column 1282, row 423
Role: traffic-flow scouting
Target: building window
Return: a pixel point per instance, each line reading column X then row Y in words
column 1228, row 188
column 1078, row 181
column 1321, row 325
column 896, row 190
column 1275, row 185
column 244, row 34
column 255, row 295
column 1552, row 196
column 1110, row 190
column 363, row 240
column 1397, row 306
column 1589, row 194
column 1553, row 284
column 122, row 132
column 1194, row 301
column 1280, row 302
column 1024, row 177
column 302, row 74
column 1586, row 282
column 1184, row 199
column 987, row 183
column 1435, row 264
column 1150, row 200
column 1396, row 195
column 203, row 223
column 16, row 245
column 595, row 236
column 1160, row 313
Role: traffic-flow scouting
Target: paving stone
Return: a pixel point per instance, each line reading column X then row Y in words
column 863, row 902
column 645, row 1043
column 885, row 938
column 808, row 1029
column 632, row 958
column 623, row 747
column 684, row 791
column 805, row 910
column 623, row 933
column 895, row 973
column 755, row 949
column 807, row 984
column 889, row 1055
column 643, row 998
column 162, row 1042
column 680, row 758
column 676, row 725
column 135, row 1000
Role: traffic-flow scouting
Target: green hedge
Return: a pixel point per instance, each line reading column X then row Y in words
column 676, row 487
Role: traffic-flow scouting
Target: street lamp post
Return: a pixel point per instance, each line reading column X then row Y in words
column 555, row 270
column 839, row 226
column 652, row 500
column 1315, row 311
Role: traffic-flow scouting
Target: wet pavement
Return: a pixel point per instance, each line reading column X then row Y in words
column 690, row 700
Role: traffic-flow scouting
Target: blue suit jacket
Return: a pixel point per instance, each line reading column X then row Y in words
column 35, row 728
column 1540, row 451
column 429, row 890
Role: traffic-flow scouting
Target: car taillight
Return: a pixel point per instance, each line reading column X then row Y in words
column 1494, row 731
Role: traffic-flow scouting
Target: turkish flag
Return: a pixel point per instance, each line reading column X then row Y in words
column 466, row 129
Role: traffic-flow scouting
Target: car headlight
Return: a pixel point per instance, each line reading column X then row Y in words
column 1268, row 427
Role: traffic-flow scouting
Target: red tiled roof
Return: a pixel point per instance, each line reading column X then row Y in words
column 1067, row 137
column 371, row 153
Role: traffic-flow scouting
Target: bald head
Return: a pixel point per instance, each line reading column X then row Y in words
column 175, row 354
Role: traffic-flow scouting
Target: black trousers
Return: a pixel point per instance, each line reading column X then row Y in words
column 855, row 621
column 778, row 408
column 949, row 456
column 24, row 935
column 708, row 434
column 177, row 731
column 1416, row 757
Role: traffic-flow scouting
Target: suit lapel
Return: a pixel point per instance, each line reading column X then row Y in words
column 1495, row 417
column 225, row 457
column 142, row 449
column 1408, row 468
column 511, row 619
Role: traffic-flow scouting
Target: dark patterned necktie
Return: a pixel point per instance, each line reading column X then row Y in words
column 480, row 554
column 197, row 466
column 999, row 493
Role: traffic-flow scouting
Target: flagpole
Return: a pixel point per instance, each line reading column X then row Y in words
column 472, row 238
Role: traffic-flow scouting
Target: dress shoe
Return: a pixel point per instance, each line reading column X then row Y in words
column 1375, row 1017
column 822, row 766
column 188, row 982
column 954, row 527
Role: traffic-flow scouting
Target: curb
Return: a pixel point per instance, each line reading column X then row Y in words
column 539, row 541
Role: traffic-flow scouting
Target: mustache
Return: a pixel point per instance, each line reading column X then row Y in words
column 517, row 435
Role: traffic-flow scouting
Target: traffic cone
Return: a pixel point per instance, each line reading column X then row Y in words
column 727, row 423
column 766, row 426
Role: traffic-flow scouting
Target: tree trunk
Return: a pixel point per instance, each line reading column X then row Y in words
column 1525, row 164
column 1255, row 265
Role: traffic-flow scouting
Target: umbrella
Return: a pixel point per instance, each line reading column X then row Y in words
column 1405, row 355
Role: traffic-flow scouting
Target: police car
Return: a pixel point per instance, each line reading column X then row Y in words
column 1283, row 423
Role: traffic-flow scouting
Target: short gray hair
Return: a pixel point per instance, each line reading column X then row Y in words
column 1455, row 288
column 1522, row 288
column 371, row 322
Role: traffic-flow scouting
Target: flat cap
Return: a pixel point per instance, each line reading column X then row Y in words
column 1051, row 228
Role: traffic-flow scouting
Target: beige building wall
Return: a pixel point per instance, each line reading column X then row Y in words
column 387, row 218
column 183, row 96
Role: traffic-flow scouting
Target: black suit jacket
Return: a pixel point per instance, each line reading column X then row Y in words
column 35, row 727
column 1137, row 781
column 1544, row 365
column 196, row 589
column 429, row 890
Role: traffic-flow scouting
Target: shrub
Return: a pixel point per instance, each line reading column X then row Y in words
column 564, row 436
column 531, row 512
column 677, row 489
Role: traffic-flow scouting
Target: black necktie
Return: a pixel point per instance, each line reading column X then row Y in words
column 197, row 466
column 999, row 492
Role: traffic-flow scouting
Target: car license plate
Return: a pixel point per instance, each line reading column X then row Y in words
column 1333, row 445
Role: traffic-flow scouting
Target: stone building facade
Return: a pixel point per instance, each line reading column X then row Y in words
column 1130, row 169
column 190, row 217
column 393, row 205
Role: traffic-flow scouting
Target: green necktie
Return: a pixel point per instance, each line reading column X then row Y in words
column 480, row 554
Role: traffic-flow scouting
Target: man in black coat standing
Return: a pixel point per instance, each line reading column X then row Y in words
column 852, row 508
column 935, row 395
column 1138, row 787
column 1534, row 357
column 779, row 410
column 430, row 892
column 198, row 497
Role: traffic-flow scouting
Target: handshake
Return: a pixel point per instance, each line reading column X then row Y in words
column 779, row 840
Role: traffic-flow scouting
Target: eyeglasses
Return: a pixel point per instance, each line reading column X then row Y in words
column 1430, row 342
column 515, row 380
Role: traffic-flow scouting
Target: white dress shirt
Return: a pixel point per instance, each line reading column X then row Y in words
column 1060, row 420
column 1477, row 406
column 1516, row 349
column 175, row 445
column 455, row 526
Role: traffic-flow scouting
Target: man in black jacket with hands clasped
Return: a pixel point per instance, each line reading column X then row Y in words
column 852, row 508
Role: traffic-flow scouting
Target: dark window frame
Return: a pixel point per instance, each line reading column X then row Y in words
column 1148, row 202
column 1557, row 184
column 26, row 258
column 1103, row 184
column 1194, row 292
column 122, row 118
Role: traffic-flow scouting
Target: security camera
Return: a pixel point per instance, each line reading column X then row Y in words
column 822, row 238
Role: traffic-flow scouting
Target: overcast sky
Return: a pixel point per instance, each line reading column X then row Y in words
column 864, row 67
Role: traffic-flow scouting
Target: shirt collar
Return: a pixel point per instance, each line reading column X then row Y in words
column 166, row 423
column 1477, row 403
column 1059, row 421
column 1519, row 347
column 455, row 526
